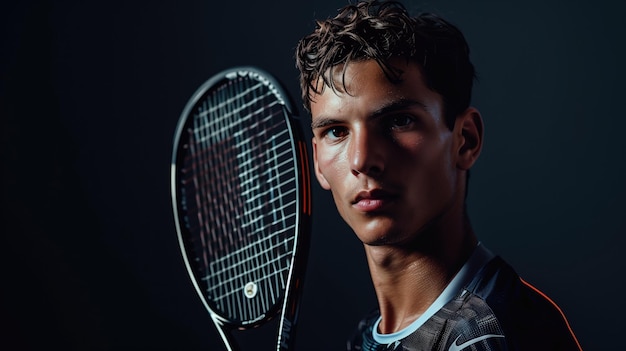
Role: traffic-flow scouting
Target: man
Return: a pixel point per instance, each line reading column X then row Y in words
column 394, row 140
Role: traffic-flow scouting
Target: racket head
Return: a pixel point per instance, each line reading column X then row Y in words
column 241, row 197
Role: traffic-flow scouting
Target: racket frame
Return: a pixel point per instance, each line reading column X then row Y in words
column 295, row 278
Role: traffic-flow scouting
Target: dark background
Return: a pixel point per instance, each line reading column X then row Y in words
column 90, row 95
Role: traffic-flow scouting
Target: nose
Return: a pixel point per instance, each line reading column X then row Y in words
column 366, row 153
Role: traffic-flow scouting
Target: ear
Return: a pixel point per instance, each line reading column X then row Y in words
column 318, row 173
column 469, row 130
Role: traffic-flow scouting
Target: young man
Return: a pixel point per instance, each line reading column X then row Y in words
column 394, row 140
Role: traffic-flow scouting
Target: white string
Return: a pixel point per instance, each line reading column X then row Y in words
column 259, row 207
column 217, row 134
column 245, row 180
column 260, row 188
column 237, row 286
column 236, row 98
column 280, row 215
column 269, row 275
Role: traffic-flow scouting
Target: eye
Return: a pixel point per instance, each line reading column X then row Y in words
column 399, row 122
column 334, row 133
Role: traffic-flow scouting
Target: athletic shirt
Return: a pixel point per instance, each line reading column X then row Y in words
column 485, row 307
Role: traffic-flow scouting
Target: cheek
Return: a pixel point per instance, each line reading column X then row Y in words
column 410, row 141
column 325, row 166
column 329, row 161
column 442, row 171
column 432, row 166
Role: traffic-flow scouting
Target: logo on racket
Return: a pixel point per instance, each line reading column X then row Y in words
column 250, row 290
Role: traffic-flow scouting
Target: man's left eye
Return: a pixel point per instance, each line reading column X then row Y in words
column 399, row 121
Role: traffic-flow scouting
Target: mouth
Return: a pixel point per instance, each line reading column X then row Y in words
column 372, row 200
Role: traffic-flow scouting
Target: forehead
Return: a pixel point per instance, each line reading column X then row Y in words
column 363, row 87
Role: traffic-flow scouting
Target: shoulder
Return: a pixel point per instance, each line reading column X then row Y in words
column 528, row 317
column 467, row 321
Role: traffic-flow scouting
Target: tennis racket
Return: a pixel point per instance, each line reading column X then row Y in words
column 242, row 204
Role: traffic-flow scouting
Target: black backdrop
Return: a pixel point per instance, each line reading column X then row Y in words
column 90, row 94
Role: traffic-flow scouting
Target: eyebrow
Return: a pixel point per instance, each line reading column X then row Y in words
column 392, row 106
column 397, row 105
column 322, row 122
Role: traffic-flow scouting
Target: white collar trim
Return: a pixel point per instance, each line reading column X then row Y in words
column 477, row 260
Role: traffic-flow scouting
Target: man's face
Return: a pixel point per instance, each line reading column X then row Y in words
column 385, row 152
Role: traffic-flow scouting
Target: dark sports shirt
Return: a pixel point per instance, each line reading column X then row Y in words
column 487, row 306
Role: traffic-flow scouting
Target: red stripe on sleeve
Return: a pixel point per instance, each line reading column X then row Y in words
column 558, row 309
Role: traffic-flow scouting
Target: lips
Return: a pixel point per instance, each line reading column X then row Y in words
column 372, row 200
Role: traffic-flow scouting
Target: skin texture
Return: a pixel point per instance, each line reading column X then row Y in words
column 397, row 174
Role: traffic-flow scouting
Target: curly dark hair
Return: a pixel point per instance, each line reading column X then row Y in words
column 382, row 30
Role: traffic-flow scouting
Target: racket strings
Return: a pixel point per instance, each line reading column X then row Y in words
column 267, row 265
column 252, row 217
column 241, row 159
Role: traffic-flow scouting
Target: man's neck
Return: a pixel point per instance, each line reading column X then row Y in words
column 409, row 278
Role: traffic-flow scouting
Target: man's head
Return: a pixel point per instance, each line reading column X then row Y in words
column 379, row 31
column 393, row 133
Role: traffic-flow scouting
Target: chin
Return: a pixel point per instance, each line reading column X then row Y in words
column 380, row 237
column 377, row 242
